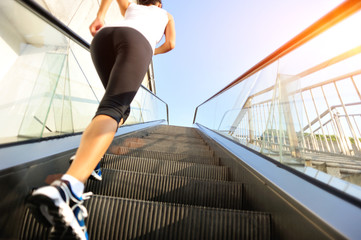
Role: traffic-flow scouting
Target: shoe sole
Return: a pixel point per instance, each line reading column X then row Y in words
column 34, row 204
column 60, row 229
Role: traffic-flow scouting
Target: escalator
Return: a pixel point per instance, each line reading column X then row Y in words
column 241, row 172
column 167, row 184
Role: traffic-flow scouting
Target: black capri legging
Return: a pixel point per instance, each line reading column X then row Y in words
column 121, row 56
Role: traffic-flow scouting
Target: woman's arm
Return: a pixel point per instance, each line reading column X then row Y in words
column 169, row 33
column 123, row 5
column 98, row 23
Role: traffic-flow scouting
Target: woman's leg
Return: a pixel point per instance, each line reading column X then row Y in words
column 95, row 141
column 129, row 57
column 122, row 77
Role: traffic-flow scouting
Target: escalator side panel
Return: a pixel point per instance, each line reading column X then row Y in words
column 290, row 220
column 17, row 182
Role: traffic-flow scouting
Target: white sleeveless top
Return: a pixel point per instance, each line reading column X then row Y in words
column 148, row 20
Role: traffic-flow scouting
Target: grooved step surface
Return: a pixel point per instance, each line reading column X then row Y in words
column 32, row 229
column 176, row 131
column 190, row 149
column 164, row 183
column 116, row 218
column 165, row 167
column 182, row 139
column 128, row 152
column 164, row 143
column 171, row 189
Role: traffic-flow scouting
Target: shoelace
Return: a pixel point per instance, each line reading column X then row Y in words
column 87, row 195
column 83, row 210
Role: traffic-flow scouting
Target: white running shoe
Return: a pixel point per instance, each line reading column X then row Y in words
column 56, row 205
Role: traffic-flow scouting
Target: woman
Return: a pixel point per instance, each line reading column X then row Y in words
column 121, row 54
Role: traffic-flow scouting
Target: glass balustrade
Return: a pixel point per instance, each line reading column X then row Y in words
column 302, row 109
column 48, row 85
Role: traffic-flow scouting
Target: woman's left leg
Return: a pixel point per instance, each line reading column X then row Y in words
column 94, row 143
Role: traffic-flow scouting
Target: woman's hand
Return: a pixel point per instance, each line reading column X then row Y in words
column 97, row 24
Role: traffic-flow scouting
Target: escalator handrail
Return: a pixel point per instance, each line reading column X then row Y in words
column 335, row 16
column 54, row 22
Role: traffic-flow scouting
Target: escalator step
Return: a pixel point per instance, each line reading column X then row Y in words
column 165, row 167
column 168, row 147
column 117, row 218
column 163, row 156
column 146, row 142
column 32, row 230
column 182, row 139
column 173, row 189
column 175, row 131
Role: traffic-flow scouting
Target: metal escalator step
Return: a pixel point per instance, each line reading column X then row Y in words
column 173, row 189
column 117, row 218
column 190, row 149
column 178, row 157
column 32, row 230
column 176, row 131
column 145, row 141
column 165, row 167
column 182, row 139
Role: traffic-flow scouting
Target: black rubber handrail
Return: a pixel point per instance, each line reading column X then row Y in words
column 49, row 18
column 338, row 14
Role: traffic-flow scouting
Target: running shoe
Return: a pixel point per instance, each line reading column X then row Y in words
column 96, row 174
column 56, row 205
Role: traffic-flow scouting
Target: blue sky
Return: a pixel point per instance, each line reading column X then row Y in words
column 217, row 41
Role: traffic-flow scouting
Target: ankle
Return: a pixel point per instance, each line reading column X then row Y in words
column 77, row 186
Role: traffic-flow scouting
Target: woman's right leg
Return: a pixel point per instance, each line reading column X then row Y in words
column 61, row 200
